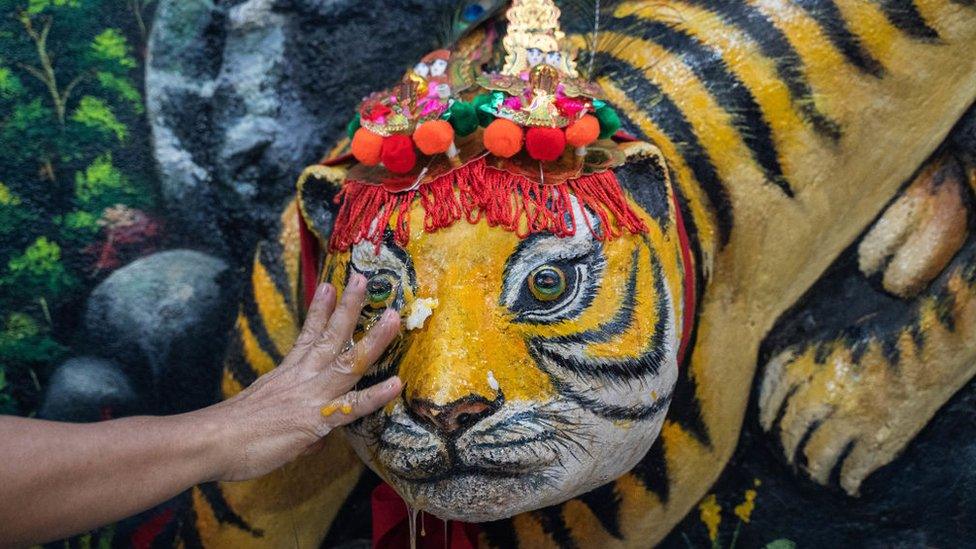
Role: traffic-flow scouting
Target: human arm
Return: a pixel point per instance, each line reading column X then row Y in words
column 57, row 479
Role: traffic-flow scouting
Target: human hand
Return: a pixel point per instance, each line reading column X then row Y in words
column 288, row 410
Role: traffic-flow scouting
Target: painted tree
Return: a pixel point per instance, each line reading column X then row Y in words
column 73, row 132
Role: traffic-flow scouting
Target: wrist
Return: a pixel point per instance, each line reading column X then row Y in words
column 209, row 433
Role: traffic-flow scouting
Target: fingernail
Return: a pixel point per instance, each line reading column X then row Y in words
column 323, row 289
column 389, row 315
column 358, row 281
column 393, row 382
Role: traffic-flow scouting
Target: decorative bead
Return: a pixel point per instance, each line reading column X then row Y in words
column 434, row 137
column 545, row 144
column 464, row 118
column 353, row 125
column 485, row 118
column 609, row 122
column 367, row 146
column 504, row 138
column 398, row 155
column 584, row 131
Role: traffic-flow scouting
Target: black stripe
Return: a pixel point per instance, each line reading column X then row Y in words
column 604, row 502
column 553, row 523
column 249, row 308
column 904, row 15
column 799, row 457
column 270, row 255
column 725, row 87
column 667, row 116
column 621, row 321
column 835, row 471
column 777, row 47
column 652, row 471
column 237, row 364
column 500, row 534
column 626, row 124
column 189, row 533
column 832, row 23
column 353, row 520
column 222, row 511
column 945, row 307
column 648, row 363
column 612, row 411
column 384, row 367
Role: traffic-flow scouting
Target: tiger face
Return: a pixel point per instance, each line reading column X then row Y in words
column 543, row 367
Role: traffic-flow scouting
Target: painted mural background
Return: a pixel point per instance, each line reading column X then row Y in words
column 77, row 188
column 121, row 253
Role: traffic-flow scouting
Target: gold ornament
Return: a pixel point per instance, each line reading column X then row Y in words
column 535, row 38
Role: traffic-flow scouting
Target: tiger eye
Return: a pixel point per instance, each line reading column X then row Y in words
column 547, row 283
column 379, row 289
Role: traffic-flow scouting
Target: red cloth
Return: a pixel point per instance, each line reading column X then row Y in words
column 391, row 526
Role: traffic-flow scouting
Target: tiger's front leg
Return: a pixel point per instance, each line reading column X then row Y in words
column 844, row 405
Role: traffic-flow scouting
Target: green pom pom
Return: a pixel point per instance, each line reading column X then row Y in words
column 609, row 122
column 354, row 125
column 464, row 118
column 480, row 102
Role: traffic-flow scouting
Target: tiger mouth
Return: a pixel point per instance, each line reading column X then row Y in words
column 523, row 457
column 469, row 472
column 526, row 444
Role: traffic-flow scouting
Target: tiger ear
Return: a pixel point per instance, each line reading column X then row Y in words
column 635, row 151
column 317, row 188
column 646, row 177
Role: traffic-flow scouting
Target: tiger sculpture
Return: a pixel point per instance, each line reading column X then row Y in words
column 785, row 131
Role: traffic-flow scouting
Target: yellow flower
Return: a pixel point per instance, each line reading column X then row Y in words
column 711, row 515
column 744, row 509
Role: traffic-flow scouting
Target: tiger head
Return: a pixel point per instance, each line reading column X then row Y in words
column 535, row 368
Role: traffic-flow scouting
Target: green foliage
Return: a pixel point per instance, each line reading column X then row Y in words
column 10, row 85
column 39, row 271
column 25, row 135
column 111, row 50
column 96, row 115
column 78, row 228
column 7, row 404
column 71, row 124
column 23, row 340
column 102, row 185
column 13, row 217
column 122, row 88
column 35, row 7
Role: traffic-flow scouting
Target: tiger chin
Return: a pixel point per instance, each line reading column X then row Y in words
column 546, row 368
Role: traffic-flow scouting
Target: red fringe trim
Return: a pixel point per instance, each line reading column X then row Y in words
column 477, row 191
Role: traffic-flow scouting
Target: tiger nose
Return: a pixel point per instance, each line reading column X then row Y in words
column 453, row 418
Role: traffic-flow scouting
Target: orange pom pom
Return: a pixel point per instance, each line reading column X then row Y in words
column 503, row 138
column 584, row 131
column 434, row 137
column 367, row 146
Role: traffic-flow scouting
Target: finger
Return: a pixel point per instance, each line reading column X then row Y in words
column 343, row 321
column 349, row 366
column 318, row 315
column 357, row 404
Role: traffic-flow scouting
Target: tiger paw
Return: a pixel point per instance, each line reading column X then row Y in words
column 840, row 412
